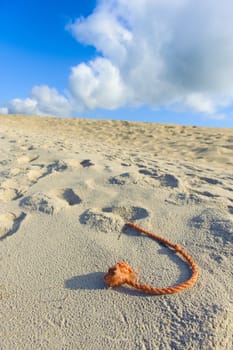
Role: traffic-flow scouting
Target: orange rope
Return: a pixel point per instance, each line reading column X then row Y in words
column 122, row 273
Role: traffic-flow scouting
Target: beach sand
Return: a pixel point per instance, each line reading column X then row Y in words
column 67, row 187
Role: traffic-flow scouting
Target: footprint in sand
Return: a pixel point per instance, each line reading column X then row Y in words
column 207, row 194
column 183, row 198
column 111, row 218
column 216, row 225
column 128, row 213
column 169, row 180
column 68, row 195
column 86, row 163
column 125, row 164
column 151, row 173
column 166, row 180
column 27, row 148
column 9, row 194
column 52, row 202
column 41, row 202
column 99, row 221
column 27, row 158
column 4, row 162
column 123, row 179
column 10, row 190
column 39, row 171
column 36, row 173
column 10, row 223
column 119, row 179
column 15, row 171
column 211, row 181
column 57, row 166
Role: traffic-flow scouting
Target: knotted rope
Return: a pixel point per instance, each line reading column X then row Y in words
column 122, row 273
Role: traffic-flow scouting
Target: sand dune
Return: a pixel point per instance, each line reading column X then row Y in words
column 67, row 187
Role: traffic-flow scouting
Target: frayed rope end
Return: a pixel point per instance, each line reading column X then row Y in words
column 119, row 274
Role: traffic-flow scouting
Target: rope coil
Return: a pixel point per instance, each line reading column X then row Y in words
column 122, row 273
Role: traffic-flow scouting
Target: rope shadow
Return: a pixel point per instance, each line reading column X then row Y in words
column 95, row 281
column 90, row 281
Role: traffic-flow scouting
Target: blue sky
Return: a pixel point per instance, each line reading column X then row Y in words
column 35, row 48
column 147, row 60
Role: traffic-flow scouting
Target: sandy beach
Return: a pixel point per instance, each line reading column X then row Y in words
column 67, row 187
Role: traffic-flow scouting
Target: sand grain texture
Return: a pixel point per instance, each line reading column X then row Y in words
column 67, row 186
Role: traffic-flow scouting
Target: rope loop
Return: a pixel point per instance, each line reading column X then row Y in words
column 122, row 273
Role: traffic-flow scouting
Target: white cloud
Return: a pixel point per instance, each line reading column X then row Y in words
column 103, row 30
column 199, row 103
column 97, row 85
column 43, row 101
column 166, row 52
column 3, row 110
column 160, row 53
column 26, row 106
column 50, row 102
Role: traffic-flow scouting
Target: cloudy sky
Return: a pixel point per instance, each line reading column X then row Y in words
column 148, row 60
